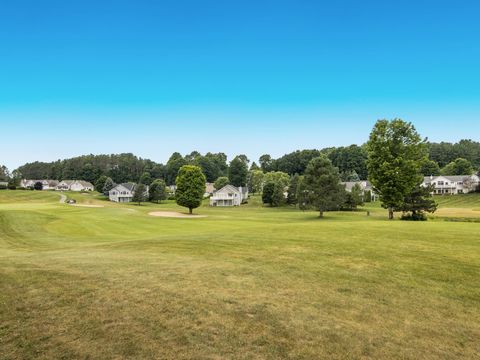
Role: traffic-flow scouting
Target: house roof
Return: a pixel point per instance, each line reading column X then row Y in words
column 128, row 186
column 85, row 183
column 228, row 188
column 453, row 178
column 209, row 188
column 68, row 182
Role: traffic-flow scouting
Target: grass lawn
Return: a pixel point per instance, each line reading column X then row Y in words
column 251, row 282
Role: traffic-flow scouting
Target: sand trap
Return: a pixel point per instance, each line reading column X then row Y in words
column 173, row 214
column 89, row 206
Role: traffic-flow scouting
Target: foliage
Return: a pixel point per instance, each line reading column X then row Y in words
column 221, row 182
column 350, row 176
column 145, row 179
column 350, row 159
column 108, row 185
column 255, row 181
column 367, row 196
column 303, row 195
column 295, row 162
column 430, row 168
column 268, row 191
column 279, row 177
column 292, row 190
column 396, row 153
column 238, row 171
column 444, row 153
column 417, row 203
column 190, row 187
column 354, row 198
column 4, row 173
column 322, row 181
column 3, row 186
column 458, row 167
column 266, row 163
column 38, row 186
column 173, row 166
column 254, row 166
column 157, row 191
column 139, row 194
column 100, row 183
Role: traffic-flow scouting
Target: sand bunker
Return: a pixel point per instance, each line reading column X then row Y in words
column 89, row 206
column 173, row 214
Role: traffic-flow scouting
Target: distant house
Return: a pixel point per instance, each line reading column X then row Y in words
column 452, row 185
column 364, row 186
column 3, row 184
column 229, row 195
column 74, row 185
column 46, row 184
column 209, row 189
column 123, row 192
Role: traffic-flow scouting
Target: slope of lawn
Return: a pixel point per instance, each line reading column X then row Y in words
column 245, row 283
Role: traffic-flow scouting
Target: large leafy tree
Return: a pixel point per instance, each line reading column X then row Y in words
column 396, row 153
column 4, row 173
column 430, row 168
column 146, row 178
column 220, row 182
column 322, row 183
column 157, row 191
column 190, row 187
column 458, row 167
column 173, row 166
column 108, row 185
column 100, row 183
column 354, row 198
column 238, row 171
column 255, row 181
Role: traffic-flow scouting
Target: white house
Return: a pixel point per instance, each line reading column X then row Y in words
column 364, row 185
column 229, row 196
column 74, row 185
column 122, row 192
column 46, row 184
column 452, row 185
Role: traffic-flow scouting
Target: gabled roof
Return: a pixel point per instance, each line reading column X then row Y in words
column 228, row 188
column 67, row 182
column 84, row 183
column 129, row 186
column 452, row 178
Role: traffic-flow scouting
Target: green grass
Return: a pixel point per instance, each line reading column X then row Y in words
column 244, row 283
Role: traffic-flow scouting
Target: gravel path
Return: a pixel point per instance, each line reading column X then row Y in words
column 63, row 199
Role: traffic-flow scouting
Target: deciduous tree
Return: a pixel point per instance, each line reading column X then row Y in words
column 139, row 195
column 190, row 187
column 220, row 182
column 157, row 191
column 396, row 153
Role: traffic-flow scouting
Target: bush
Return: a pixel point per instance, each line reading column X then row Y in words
column 414, row 217
column 3, row 187
column 12, row 187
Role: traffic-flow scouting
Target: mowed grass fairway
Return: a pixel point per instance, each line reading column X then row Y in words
column 241, row 283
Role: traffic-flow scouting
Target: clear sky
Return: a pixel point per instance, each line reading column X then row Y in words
column 252, row 77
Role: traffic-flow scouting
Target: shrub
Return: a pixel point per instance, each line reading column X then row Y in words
column 414, row 216
column 12, row 187
column 3, row 187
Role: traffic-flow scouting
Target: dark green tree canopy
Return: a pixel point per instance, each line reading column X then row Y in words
column 430, row 167
column 139, row 194
column 322, row 182
column 100, row 183
column 157, row 191
column 190, row 187
column 108, row 185
column 238, row 172
column 458, row 167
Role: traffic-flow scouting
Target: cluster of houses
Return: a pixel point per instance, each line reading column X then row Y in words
column 227, row 196
column 65, row 185
column 230, row 195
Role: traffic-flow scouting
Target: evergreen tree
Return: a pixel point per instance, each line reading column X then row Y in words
column 38, row 185
column 417, row 203
column 157, row 191
column 268, row 190
column 139, row 195
column 396, row 153
column 190, row 187
column 322, row 181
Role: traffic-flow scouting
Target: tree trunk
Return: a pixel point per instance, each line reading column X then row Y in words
column 390, row 213
column 190, row 211
column 321, row 213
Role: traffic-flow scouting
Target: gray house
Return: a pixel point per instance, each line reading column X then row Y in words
column 122, row 192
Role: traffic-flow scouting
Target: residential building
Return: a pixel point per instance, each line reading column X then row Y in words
column 452, row 185
column 74, row 185
column 229, row 195
column 365, row 185
column 46, row 184
column 122, row 192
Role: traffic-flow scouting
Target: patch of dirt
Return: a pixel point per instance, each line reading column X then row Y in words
column 174, row 214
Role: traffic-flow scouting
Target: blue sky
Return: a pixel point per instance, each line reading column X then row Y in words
column 253, row 77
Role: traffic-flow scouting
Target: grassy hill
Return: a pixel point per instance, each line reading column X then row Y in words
column 250, row 282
